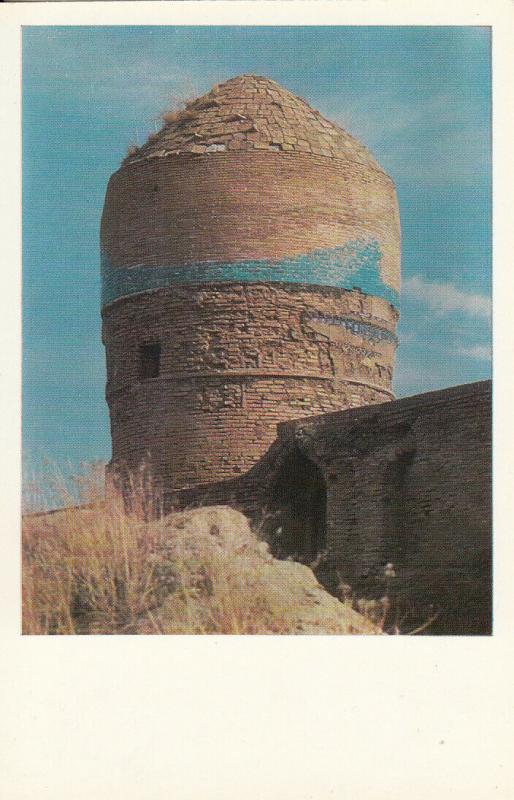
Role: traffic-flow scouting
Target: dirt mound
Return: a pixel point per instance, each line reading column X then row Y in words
column 224, row 580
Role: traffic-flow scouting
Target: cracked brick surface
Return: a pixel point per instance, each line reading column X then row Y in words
column 236, row 360
column 250, row 112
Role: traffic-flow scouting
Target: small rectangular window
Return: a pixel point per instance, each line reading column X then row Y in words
column 150, row 355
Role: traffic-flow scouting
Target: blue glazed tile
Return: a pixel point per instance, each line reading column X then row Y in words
column 354, row 265
column 372, row 333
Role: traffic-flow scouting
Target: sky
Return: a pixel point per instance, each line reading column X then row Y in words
column 418, row 97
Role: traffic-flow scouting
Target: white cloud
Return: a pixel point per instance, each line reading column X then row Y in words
column 444, row 298
column 478, row 352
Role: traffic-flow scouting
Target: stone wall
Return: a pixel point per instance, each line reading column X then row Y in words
column 409, row 483
column 406, row 482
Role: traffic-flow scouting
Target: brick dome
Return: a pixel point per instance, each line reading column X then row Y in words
column 251, row 113
column 250, row 275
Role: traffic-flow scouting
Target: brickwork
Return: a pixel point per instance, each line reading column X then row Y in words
column 250, row 278
column 256, row 247
column 235, row 360
column 251, row 113
column 187, row 210
column 407, row 482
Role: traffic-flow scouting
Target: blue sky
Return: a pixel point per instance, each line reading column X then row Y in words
column 418, row 97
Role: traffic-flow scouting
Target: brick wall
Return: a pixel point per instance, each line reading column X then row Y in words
column 253, row 248
column 409, row 482
column 236, row 359
column 229, row 207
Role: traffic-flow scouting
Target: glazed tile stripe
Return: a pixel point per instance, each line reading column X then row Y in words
column 354, row 265
column 372, row 333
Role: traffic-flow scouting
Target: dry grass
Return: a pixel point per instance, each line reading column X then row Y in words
column 100, row 570
column 87, row 570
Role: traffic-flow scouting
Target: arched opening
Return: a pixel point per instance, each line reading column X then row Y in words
column 296, row 524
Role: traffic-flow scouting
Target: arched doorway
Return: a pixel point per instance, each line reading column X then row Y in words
column 297, row 510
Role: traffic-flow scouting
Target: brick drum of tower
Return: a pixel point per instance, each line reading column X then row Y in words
column 250, row 274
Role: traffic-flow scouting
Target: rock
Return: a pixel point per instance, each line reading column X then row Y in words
column 228, row 582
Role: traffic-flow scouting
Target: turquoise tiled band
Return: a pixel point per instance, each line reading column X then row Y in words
column 354, row 265
column 373, row 333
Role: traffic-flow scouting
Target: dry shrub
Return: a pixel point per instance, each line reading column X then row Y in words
column 179, row 103
column 390, row 613
column 87, row 570
column 116, row 567
column 101, row 570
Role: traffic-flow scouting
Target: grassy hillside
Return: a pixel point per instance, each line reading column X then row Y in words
column 99, row 570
